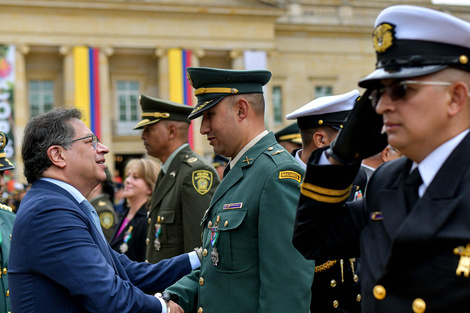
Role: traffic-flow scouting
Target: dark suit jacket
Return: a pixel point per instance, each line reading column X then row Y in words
column 410, row 255
column 136, row 244
column 60, row 263
column 180, row 199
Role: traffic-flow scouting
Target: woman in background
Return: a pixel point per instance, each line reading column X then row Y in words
column 131, row 230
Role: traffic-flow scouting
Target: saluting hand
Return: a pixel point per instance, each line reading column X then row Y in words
column 361, row 136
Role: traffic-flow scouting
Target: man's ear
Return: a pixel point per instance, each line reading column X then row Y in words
column 56, row 155
column 459, row 98
column 319, row 139
column 172, row 131
column 242, row 108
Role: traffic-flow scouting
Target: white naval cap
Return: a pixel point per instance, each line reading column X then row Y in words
column 413, row 41
column 325, row 111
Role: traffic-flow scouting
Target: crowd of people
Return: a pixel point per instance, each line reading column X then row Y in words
column 358, row 206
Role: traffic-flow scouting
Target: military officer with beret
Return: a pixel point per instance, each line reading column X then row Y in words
column 249, row 263
column 7, row 218
column 336, row 286
column 411, row 229
column 289, row 137
column 184, row 186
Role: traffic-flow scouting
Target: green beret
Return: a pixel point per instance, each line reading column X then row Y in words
column 5, row 164
column 212, row 85
column 289, row 133
column 154, row 110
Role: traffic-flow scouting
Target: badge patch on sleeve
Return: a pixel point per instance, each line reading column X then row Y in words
column 289, row 174
column 202, row 181
column 107, row 220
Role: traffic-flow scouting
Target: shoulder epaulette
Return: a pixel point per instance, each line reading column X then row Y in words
column 5, row 207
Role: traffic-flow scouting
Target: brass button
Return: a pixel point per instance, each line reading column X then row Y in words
column 150, row 220
column 147, row 241
column 201, row 281
column 209, row 224
column 419, row 306
column 8, row 293
column 5, row 270
column 200, row 310
column 226, row 223
column 463, row 59
column 359, row 298
column 379, row 292
column 270, row 148
column 204, row 252
column 335, row 304
column 333, row 283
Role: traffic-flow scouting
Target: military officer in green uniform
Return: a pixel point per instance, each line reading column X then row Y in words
column 184, row 186
column 7, row 217
column 102, row 198
column 249, row 263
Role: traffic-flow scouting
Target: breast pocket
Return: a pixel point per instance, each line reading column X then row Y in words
column 234, row 245
column 167, row 218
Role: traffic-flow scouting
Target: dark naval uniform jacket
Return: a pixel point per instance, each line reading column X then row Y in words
column 249, row 263
column 7, row 218
column 178, row 203
column 336, row 286
column 410, row 262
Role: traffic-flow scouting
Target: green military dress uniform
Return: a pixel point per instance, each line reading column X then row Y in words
column 249, row 263
column 105, row 209
column 180, row 198
column 7, row 217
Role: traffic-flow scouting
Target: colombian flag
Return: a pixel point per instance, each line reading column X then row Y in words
column 180, row 89
column 87, row 86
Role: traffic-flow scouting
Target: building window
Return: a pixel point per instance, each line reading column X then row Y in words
column 277, row 105
column 127, row 101
column 322, row 91
column 41, row 96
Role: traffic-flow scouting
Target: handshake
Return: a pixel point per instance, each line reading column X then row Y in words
column 361, row 136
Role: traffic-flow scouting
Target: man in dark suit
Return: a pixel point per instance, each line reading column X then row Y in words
column 60, row 260
column 185, row 185
column 411, row 229
column 249, row 263
column 336, row 285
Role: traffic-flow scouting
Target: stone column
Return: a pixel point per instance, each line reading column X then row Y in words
column 163, row 83
column 237, row 60
column 106, row 105
column 22, row 111
column 69, row 79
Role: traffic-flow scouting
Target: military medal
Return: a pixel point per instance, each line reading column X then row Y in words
column 214, row 238
column 158, row 231
column 124, row 246
column 214, row 241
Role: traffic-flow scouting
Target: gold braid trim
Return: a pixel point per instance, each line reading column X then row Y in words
column 325, row 266
column 325, row 195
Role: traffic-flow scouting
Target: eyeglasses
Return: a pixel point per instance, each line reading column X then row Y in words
column 94, row 140
column 398, row 91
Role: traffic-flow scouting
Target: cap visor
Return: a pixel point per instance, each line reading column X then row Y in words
column 373, row 79
column 198, row 110
column 145, row 122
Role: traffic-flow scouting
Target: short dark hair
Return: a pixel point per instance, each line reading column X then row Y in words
column 43, row 131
